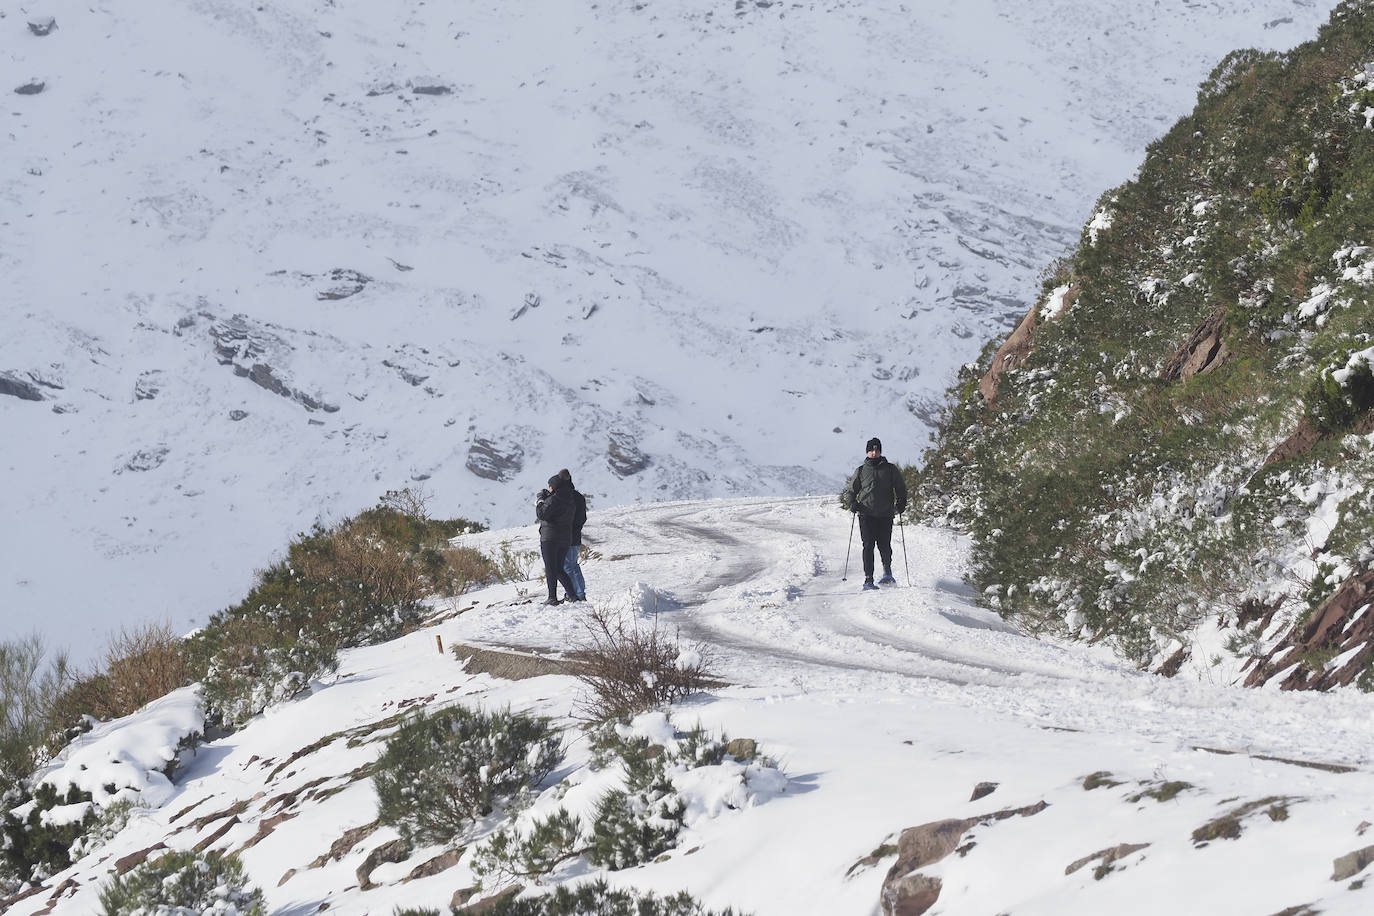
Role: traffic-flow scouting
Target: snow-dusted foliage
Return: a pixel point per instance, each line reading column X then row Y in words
column 1170, row 452
column 443, row 771
column 183, row 884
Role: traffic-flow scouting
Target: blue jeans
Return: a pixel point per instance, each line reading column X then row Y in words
column 574, row 571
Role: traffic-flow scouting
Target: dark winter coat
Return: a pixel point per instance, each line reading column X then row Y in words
column 877, row 489
column 556, row 511
column 579, row 514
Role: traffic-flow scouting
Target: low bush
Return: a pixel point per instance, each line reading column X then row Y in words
column 359, row 582
column 140, row 665
column 512, row 855
column 36, row 846
column 183, row 883
column 599, row 899
column 631, row 668
column 442, row 771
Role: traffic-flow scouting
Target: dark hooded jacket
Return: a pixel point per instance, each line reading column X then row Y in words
column 876, row 488
column 555, row 510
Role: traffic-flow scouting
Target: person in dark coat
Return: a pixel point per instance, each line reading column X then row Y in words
column 877, row 493
column 571, row 566
column 555, row 510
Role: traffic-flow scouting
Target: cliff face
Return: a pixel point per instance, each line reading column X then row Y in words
column 1174, row 453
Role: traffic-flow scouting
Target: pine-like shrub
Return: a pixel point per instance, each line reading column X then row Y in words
column 442, row 771
column 37, row 845
column 599, row 899
column 183, row 884
column 527, row 854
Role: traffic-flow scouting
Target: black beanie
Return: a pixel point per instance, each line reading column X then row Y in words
column 874, row 445
column 555, row 481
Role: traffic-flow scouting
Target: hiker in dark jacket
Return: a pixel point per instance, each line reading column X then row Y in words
column 571, row 566
column 555, row 510
column 878, row 493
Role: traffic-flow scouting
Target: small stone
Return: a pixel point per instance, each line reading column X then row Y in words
column 983, row 790
column 32, row 87
column 42, row 26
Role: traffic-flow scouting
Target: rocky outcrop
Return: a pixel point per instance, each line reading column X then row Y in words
column 1342, row 626
column 492, row 461
column 245, row 347
column 908, row 892
column 1203, row 351
column 1016, row 348
column 623, row 458
column 16, row 387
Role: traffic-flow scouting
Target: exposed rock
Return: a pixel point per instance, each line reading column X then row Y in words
column 42, row 25
column 742, row 748
column 624, row 459
column 16, row 387
column 394, row 851
column 1015, row 349
column 237, row 415
column 487, row 904
column 432, row 89
column 441, row 862
column 983, row 790
column 1352, row 863
column 290, row 873
column 1106, row 857
column 216, row 834
column 491, row 462
column 343, row 283
column 1203, row 351
column 147, row 459
column 905, row 891
column 1174, row 663
column 511, row 666
column 136, row 858
column 148, row 386
column 32, row 87
column 1342, row 624
column 245, row 346
column 265, row 828
column 341, row 847
column 1303, row 440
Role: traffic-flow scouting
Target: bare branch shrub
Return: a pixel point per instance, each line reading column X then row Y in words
column 141, row 665
column 631, row 667
column 411, row 501
column 29, row 691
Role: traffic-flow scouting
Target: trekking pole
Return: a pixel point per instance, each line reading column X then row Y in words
column 852, row 517
column 902, row 525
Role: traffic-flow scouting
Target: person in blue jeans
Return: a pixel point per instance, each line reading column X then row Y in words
column 555, row 510
column 571, row 567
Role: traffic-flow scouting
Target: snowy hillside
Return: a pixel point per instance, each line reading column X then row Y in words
column 261, row 263
column 883, row 711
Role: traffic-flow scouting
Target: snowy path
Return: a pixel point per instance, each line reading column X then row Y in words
column 759, row 582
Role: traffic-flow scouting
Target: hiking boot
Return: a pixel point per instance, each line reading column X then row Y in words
column 887, row 579
column 550, row 602
column 868, row 585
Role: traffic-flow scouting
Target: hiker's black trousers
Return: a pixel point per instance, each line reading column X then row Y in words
column 876, row 530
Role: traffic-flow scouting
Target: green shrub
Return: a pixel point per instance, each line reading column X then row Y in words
column 33, row 849
column 598, row 899
column 183, row 882
column 359, row 582
column 442, row 771
column 510, row 854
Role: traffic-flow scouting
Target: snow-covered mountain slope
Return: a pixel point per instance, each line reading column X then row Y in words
column 261, row 263
column 883, row 709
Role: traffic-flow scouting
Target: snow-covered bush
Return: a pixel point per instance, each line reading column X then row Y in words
column 635, row 823
column 40, row 828
column 256, row 667
column 183, row 884
column 510, row 854
column 443, row 771
column 598, row 899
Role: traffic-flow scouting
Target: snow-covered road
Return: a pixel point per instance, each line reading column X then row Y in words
column 761, row 583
